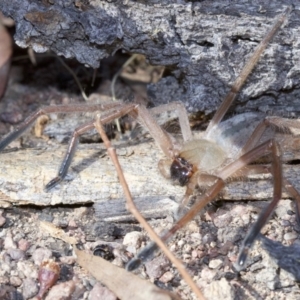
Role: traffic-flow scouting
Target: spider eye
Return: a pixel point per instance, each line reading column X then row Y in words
column 181, row 171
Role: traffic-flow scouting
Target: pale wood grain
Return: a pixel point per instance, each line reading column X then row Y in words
column 92, row 179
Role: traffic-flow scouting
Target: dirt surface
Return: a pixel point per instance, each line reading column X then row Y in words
column 208, row 246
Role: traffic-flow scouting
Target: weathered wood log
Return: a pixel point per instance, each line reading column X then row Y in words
column 92, row 179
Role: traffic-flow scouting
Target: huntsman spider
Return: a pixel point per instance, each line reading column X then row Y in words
column 222, row 152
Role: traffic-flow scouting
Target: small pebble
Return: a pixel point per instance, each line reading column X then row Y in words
column 4, row 280
column 201, row 253
column 41, row 254
column 13, row 117
column 290, row 236
column 62, row 223
column 226, row 248
column 282, row 208
column 157, row 267
column 232, row 257
column 213, row 252
column 215, row 263
column 23, row 244
column 46, row 217
column 213, row 244
column 196, row 236
column 62, row 291
column 80, row 212
column 133, row 239
column 27, row 269
column 193, row 227
column 69, row 260
column 181, row 243
column 166, row 277
column 208, row 274
column 9, row 243
column 15, row 281
column 221, row 219
column 30, row 288
column 79, row 290
column 239, row 210
column 285, row 223
column 173, row 247
column 208, row 238
column 187, row 248
column 16, row 254
column 290, row 212
column 194, row 254
column 101, row 292
column 220, row 289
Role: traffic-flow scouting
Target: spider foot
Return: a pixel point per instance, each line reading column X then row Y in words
column 243, row 256
column 133, row 264
column 144, row 255
column 53, row 183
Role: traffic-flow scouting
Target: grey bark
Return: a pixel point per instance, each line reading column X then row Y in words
column 204, row 44
column 92, row 179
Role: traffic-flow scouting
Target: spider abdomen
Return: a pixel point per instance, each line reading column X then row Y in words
column 203, row 154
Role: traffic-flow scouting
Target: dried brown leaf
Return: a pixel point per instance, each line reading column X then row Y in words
column 57, row 232
column 125, row 285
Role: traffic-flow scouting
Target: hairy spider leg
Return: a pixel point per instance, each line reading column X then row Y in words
column 116, row 110
column 240, row 80
column 216, row 119
column 119, row 111
column 284, row 125
column 133, row 209
column 267, row 147
column 74, row 108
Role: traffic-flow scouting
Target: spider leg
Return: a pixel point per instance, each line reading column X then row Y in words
column 162, row 139
column 119, row 111
column 295, row 194
column 264, row 169
column 63, row 170
column 229, row 170
column 197, row 179
column 280, row 123
column 75, row 108
column 182, row 116
column 269, row 146
column 240, row 80
column 209, row 195
column 277, row 122
column 133, row 209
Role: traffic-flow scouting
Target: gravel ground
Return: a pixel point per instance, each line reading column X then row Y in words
column 208, row 246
